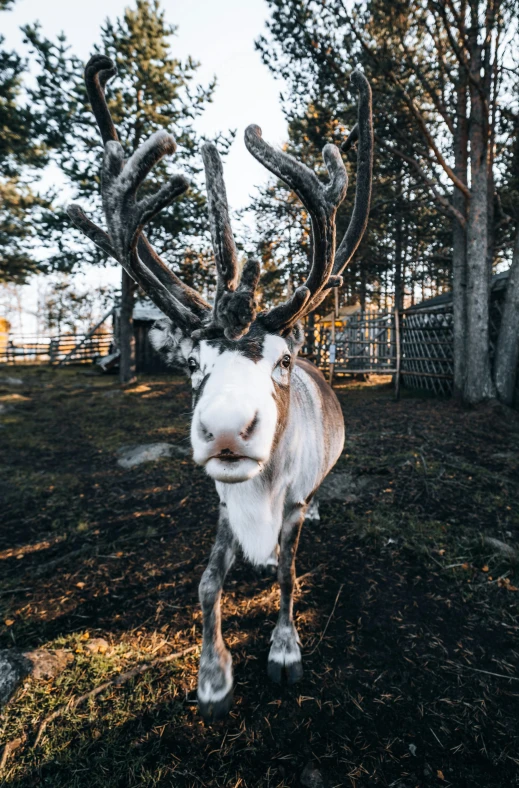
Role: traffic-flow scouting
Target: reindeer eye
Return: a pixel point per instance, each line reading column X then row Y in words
column 192, row 364
column 285, row 361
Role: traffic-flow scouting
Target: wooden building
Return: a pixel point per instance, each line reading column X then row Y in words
column 145, row 313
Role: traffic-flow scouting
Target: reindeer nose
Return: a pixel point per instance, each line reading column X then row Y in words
column 204, row 433
column 211, row 430
column 250, row 428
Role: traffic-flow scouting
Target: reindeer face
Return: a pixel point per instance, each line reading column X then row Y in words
column 241, row 394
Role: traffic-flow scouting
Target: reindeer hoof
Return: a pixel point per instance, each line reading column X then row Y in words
column 275, row 671
column 213, row 710
column 293, row 671
column 268, row 571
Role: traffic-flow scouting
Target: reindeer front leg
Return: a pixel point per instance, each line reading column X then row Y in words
column 215, row 673
column 285, row 654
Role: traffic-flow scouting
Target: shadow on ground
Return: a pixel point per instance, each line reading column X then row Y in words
column 408, row 615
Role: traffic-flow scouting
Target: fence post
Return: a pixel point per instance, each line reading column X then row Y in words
column 398, row 354
column 53, row 350
column 333, row 347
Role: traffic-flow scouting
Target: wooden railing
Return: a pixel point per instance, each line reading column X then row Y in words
column 67, row 348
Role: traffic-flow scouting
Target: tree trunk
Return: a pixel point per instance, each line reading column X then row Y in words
column 362, row 291
column 478, row 381
column 507, row 352
column 126, row 336
column 459, row 239
column 398, row 259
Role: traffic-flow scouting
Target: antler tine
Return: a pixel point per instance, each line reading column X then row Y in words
column 139, row 259
column 321, row 202
column 363, row 132
column 142, row 275
column 91, row 230
column 126, row 216
column 234, row 305
column 225, row 254
column 98, row 71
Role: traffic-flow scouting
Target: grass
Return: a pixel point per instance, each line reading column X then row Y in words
column 408, row 615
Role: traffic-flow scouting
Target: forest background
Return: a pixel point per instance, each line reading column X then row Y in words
column 444, row 214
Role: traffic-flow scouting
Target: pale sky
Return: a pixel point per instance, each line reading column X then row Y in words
column 218, row 33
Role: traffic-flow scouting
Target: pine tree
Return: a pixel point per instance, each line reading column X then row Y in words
column 23, row 151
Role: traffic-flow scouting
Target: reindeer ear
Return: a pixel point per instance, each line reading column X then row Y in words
column 297, row 337
column 166, row 338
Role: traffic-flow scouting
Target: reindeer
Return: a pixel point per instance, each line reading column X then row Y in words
column 265, row 425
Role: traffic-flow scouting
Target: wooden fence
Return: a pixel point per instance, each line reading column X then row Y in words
column 67, row 348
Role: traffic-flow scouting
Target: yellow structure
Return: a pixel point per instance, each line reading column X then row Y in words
column 342, row 314
column 4, row 334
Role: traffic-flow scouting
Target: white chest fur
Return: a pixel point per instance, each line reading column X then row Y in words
column 255, row 512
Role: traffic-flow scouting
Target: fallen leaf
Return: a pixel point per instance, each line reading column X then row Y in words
column 9, row 622
column 484, row 568
column 439, row 774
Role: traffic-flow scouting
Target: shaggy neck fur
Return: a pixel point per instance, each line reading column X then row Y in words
column 256, row 507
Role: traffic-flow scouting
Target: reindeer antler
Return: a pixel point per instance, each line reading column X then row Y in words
column 126, row 217
column 235, row 304
column 363, row 132
column 321, row 202
column 235, row 307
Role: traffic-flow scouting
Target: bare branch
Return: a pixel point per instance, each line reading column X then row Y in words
column 429, row 182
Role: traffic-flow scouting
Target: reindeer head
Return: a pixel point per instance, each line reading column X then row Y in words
column 239, row 361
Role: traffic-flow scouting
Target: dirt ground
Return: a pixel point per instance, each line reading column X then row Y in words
column 407, row 614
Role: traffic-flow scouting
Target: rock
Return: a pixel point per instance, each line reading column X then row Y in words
column 39, row 664
column 97, row 646
column 342, row 487
column 311, row 777
column 47, row 664
column 9, row 381
column 129, row 456
column 14, row 667
column 501, row 547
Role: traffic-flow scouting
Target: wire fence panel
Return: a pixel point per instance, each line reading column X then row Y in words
column 427, row 348
column 365, row 342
